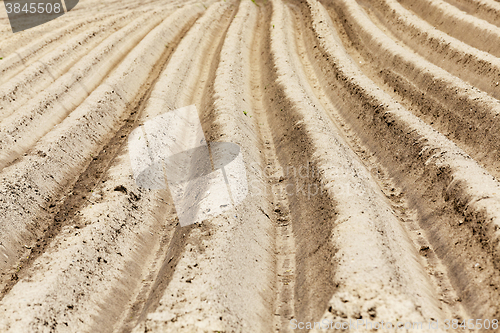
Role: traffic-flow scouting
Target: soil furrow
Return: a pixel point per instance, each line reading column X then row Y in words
column 349, row 211
column 123, row 229
column 251, row 166
column 38, row 76
column 463, row 113
column 64, row 153
column 17, row 60
column 238, row 244
column 479, row 68
column 467, row 28
column 72, row 23
column 454, row 199
column 275, row 176
column 398, row 203
column 488, row 10
column 56, row 102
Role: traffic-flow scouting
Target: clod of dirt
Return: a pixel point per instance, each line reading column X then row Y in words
column 121, row 188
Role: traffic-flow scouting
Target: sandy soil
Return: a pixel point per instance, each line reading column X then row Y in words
column 369, row 132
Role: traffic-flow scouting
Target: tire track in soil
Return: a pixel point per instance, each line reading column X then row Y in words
column 276, row 178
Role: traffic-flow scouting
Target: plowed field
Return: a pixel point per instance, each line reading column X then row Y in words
column 370, row 136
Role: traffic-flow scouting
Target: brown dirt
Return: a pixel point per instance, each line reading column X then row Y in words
column 370, row 135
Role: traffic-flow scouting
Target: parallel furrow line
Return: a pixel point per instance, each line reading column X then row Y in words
column 38, row 76
column 457, row 202
column 467, row 28
column 17, row 60
column 347, row 225
column 113, row 220
column 479, row 68
column 38, row 179
column 488, row 10
column 465, row 114
column 238, row 246
column 435, row 270
column 36, row 118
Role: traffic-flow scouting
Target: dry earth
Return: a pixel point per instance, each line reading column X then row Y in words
column 370, row 132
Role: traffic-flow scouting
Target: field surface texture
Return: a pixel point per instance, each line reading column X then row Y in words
column 362, row 185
